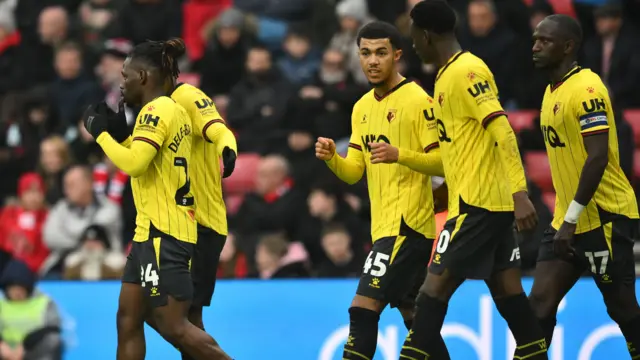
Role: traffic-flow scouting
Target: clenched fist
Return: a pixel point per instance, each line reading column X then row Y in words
column 383, row 153
column 325, row 148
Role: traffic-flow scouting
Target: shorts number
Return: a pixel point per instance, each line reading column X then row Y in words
column 443, row 241
column 182, row 191
column 592, row 256
column 148, row 275
column 380, row 268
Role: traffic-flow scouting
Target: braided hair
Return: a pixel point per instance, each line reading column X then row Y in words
column 162, row 55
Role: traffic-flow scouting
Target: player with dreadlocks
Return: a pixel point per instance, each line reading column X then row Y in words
column 156, row 280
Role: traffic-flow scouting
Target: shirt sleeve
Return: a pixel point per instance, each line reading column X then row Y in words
column 213, row 128
column 350, row 168
column 592, row 106
column 429, row 161
column 479, row 95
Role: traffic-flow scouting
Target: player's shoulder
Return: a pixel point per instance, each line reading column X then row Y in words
column 187, row 93
column 470, row 66
column 160, row 104
column 364, row 101
column 585, row 84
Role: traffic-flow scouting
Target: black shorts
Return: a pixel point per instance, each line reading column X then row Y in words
column 161, row 266
column 204, row 266
column 605, row 252
column 476, row 244
column 395, row 277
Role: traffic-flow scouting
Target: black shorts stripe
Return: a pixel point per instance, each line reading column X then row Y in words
column 148, row 141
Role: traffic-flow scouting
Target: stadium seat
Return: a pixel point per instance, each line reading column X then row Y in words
column 233, row 203
column 636, row 164
column 549, row 198
column 632, row 116
column 538, row 170
column 244, row 176
column 190, row 78
column 522, row 119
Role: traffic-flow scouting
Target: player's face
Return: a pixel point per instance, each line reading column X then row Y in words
column 131, row 86
column 378, row 60
column 421, row 45
column 549, row 49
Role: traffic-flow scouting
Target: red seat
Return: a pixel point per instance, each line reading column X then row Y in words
column 522, row 119
column 190, row 78
column 233, row 203
column 549, row 198
column 636, row 164
column 632, row 116
column 244, row 176
column 564, row 7
column 538, row 170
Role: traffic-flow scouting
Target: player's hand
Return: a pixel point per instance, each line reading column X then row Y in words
column 96, row 119
column 525, row 212
column 325, row 149
column 563, row 240
column 228, row 161
column 383, row 153
column 117, row 125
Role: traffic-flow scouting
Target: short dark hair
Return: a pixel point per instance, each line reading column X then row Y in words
column 569, row 26
column 434, row 16
column 162, row 55
column 381, row 30
column 334, row 227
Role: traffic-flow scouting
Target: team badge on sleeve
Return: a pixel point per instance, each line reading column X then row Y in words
column 592, row 120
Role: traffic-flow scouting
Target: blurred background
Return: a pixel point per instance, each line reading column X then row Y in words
column 282, row 72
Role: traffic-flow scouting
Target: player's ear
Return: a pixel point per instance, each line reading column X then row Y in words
column 143, row 76
column 569, row 45
column 397, row 54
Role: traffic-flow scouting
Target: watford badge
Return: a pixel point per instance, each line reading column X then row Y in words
column 391, row 115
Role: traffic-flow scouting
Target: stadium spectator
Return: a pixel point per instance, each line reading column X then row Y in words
column 21, row 223
column 95, row 259
column 258, row 105
column 352, row 14
column 223, row 62
column 340, row 260
column 84, row 149
column 614, row 55
column 326, row 206
column 276, row 205
column 233, row 263
column 95, row 16
column 30, row 324
column 70, row 217
column 109, row 70
column 141, row 20
column 300, row 60
column 496, row 44
column 9, row 42
column 55, row 157
column 109, row 181
column 277, row 258
column 73, row 90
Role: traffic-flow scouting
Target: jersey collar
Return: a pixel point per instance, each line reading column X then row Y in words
column 400, row 84
column 449, row 62
column 574, row 70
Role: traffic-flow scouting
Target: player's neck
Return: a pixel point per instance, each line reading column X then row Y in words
column 152, row 95
column 384, row 88
column 446, row 50
column 557, row 74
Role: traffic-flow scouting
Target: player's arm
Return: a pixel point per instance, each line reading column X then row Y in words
column 428, row 162
column 485, row 108
column 215, row 130
column 350, row 168
column 147, row 139
column 594, row 126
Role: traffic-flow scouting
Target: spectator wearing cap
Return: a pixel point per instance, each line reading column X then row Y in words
column 109, row 69
column 30, row 324
column 94, row 260
column 21, row 224
column 352, row 15
column 9, row 41
column 222, row 65
column 301, row 60
column 613, row 54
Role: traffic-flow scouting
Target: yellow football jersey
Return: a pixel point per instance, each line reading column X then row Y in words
column 467, row 100
column 162, row 193
column 399, row 196
column 204, row 167
column 576, row 107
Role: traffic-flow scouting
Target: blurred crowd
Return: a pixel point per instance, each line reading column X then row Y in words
column 282, row 72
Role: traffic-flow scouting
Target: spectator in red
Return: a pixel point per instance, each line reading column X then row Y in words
column 109, row 181
column 21, row 224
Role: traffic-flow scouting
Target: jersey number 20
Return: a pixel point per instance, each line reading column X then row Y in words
column 183, row 191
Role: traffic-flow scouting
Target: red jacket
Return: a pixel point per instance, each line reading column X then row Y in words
column 21, row 235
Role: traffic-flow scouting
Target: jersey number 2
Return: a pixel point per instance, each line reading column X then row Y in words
column 183, row 191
